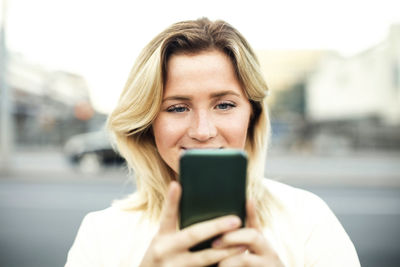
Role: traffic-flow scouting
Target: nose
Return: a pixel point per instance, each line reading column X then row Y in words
column 202, row 127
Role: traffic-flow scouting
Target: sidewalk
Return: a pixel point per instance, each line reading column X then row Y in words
column 381, row 170
column 52, row 164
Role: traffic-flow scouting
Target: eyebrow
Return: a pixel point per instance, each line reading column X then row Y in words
column 213, row 95
column 177, row 97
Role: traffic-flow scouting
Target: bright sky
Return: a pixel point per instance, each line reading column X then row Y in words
column 100, row 39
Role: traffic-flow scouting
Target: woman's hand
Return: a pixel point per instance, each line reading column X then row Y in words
column 170, row 247
column 260, row 252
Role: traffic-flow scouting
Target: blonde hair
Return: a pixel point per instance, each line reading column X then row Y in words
column 140, row 101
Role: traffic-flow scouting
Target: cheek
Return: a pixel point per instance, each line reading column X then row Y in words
column 167, row 126
column 238, row 136
column 162, row 137
column 163, row 133
column 235, row 131
column 167, row 134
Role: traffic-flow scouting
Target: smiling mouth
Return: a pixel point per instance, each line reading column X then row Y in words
column 188, row 148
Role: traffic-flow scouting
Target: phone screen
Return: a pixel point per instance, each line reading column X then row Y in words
column 213, row 185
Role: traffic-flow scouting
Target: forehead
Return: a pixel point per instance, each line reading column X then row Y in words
column 211, row 68
column 209, row 57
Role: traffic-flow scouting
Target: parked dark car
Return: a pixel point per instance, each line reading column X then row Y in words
column 90, row 152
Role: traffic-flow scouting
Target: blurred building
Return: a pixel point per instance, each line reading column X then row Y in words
column 283, row 69
column 286, row 72
column 355, row 101
column 48, row 106
column 365, row 85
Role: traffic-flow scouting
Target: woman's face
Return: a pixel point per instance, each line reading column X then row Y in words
column 203, row 106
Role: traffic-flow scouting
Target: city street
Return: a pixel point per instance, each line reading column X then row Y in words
column 41, row 213
column 80, row 79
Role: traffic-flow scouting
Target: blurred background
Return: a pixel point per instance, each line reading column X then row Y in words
column 333, row 68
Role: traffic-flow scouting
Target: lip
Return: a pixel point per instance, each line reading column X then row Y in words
column 188, row 148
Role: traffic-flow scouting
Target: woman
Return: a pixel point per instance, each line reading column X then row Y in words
column 198, row 85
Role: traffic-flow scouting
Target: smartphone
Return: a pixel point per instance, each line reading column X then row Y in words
column 213, row 184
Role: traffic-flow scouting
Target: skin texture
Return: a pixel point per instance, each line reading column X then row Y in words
column 204, row 106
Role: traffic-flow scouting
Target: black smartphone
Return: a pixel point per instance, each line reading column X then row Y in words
column 213, row 184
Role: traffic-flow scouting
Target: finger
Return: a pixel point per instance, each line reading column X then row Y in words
column 243, row 259
column 250, row 237
column 252, row 219
column 208, row 257
column 199, row 232
column 169, row 213
column 169, row 244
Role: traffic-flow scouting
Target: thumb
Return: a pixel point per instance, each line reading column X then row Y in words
column 169, row 213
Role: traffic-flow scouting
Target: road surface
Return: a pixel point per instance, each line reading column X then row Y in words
column 39, row 219
column 43, row 200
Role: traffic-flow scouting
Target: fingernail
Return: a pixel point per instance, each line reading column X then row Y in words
column 217, row 243
column 233, row 222
column 242, row 248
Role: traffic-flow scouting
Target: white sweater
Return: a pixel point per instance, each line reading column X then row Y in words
column 306, row 234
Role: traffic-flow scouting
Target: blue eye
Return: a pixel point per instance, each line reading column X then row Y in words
column 225, row 106
column 177, row 109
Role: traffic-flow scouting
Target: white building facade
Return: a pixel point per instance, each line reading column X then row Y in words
column 362, row 86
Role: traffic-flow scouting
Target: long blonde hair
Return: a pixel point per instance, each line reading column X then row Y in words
column 131, row 121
